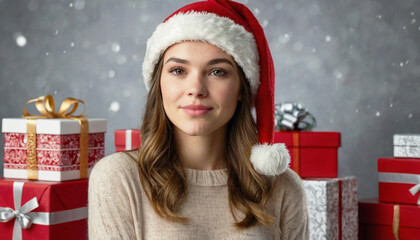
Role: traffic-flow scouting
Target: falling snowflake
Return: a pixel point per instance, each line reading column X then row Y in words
column 413, row 20
column 391, row 105
column 378, row 114
column 72, row 44
column 379, row 16
column 47, row 53
column 71, row 4
column 114, row 107
column 410, row 115
column 328, row 38
column 111, row 73
column 115, row 47
column 20, row 40
column 284, row 39
column 338, row 74
column 257, row 11
column 264, row 24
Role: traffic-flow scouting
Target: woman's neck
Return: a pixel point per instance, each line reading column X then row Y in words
column 202, row 152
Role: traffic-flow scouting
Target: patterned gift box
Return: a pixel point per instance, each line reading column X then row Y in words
column 399, row 180
column 407, row 145
column 126, row 139
column 332, row 208
column 386, row 221
column 57, row 147
column 313, row 154
column 32, row 210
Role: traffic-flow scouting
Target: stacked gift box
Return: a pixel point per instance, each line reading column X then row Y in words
column 47, row 161
column 126, row 139
column 396, row 213
column 331, row 200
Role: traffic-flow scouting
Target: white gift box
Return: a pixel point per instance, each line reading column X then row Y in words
column 407, row 145
column 332, row 208
column 57, row 147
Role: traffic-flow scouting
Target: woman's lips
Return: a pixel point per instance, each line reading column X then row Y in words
column 196, row 110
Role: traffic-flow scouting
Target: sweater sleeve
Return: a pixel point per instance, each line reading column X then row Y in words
column 112, row 198
column 294, row 222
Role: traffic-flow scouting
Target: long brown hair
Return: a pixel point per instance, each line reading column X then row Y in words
column 162, row 174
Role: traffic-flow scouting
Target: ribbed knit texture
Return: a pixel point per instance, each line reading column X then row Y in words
column 119, row 208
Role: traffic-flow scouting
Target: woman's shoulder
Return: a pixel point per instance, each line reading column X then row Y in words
column 288, row 184
column 116, row 164
column 289, row 178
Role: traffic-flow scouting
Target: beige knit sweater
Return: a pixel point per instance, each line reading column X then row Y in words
column 119, row 208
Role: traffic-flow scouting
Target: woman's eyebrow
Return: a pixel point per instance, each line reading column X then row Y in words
column 178, row 60
column 211, row 62
column 219, row 60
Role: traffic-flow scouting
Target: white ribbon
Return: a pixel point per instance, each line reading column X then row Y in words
column 24, row 217
column 128, row 144
column 402, row 178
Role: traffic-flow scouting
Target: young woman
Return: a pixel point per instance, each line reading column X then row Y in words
column 205, row 169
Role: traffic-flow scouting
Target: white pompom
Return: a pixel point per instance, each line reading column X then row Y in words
column 270, row 160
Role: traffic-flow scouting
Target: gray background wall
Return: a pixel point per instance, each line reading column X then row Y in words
column 353, row 63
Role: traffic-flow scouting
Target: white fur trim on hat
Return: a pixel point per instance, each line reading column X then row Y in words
column 270, row 160
column 222, row 32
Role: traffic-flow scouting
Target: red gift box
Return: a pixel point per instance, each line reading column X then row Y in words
column 383, row 221
column 313, row 154
column 126, row 139
column 399, row 180
column 61, row 214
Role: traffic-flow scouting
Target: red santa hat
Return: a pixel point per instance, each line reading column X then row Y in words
column 232, row 27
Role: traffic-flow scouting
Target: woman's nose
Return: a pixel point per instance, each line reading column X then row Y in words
column 197, row 87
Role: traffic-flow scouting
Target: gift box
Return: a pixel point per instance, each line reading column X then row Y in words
column 386, row 221
column 332, row 208
column 407, row 145
column 399, row 180
column 57, row 147
column 313, row 154
column 44, row 210
column 126, row 139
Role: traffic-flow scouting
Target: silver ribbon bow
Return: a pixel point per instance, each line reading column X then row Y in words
column 414, row 190
column 292, row 116
column 20, row 214
column 25, row 221
column 403, row 178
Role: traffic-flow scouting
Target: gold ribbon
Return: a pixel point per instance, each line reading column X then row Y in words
column 396, row 222
column 45, row 105
column 296, row 157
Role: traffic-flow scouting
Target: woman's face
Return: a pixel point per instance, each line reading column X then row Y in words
column 200, row 88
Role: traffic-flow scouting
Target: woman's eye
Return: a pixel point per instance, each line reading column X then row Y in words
column 218, row 73
column 177, row 71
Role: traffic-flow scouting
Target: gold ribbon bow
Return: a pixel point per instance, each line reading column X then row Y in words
column 45, row 105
